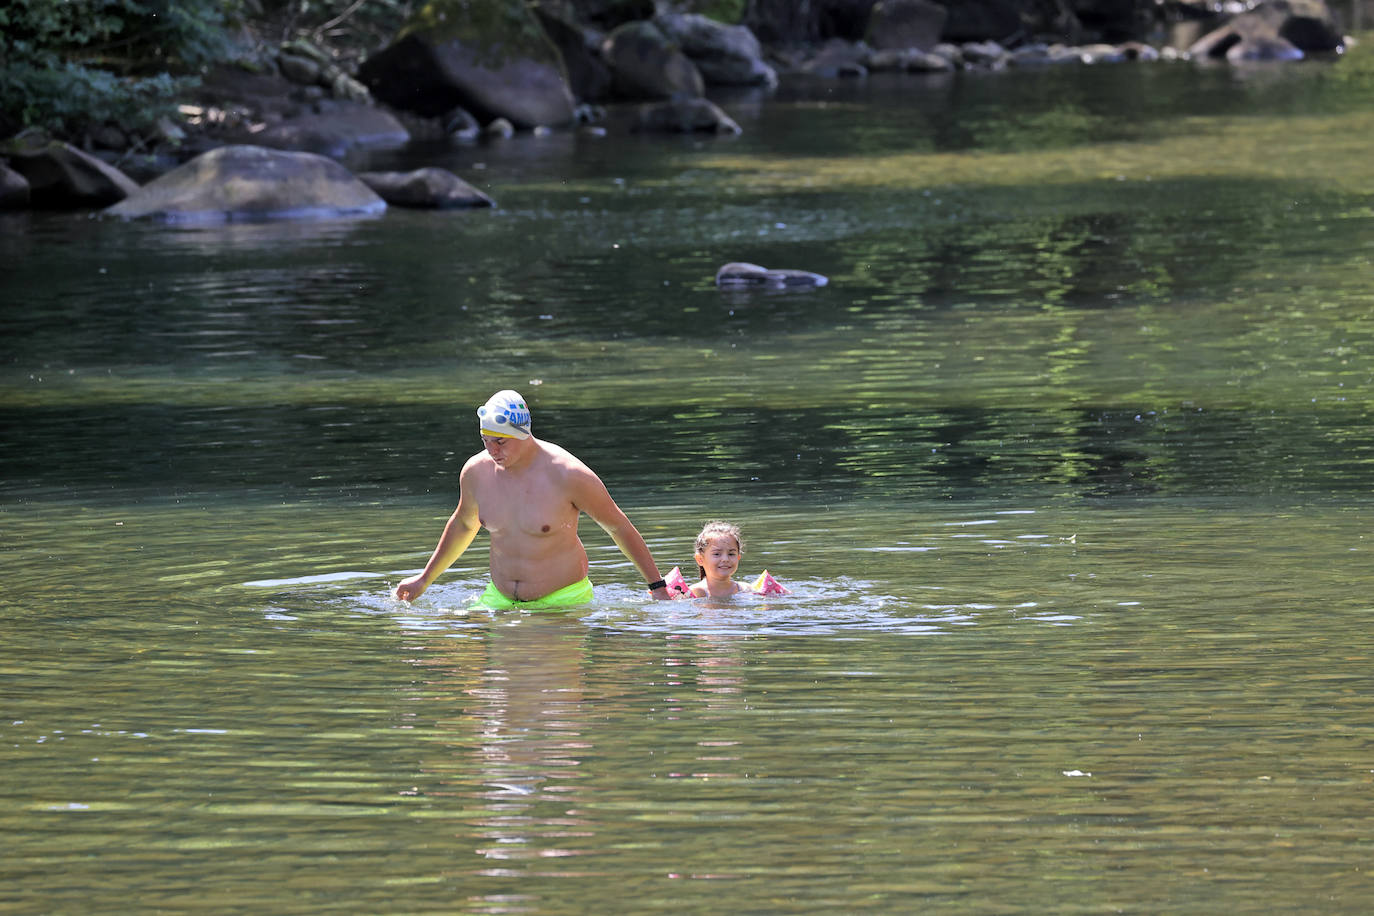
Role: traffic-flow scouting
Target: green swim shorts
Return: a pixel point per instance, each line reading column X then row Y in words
column 568, row 596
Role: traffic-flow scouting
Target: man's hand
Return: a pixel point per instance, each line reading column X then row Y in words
column 662, row 594
column 410, row 589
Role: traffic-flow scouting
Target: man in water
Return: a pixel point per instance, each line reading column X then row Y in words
column 529, row 495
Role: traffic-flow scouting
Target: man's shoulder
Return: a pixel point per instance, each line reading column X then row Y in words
column 478, row 462
column 561, row 457
column 568, row 470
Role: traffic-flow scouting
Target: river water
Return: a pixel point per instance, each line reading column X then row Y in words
column 1069, row 469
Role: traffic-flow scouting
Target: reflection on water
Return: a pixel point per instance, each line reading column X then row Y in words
column 1068, row 470
column 527, row 709
column 912, row 719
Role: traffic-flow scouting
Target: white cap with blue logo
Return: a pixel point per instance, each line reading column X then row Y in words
column 505, row 414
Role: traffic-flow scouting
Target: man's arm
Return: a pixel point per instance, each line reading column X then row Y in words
column 462, row 527
column 591, row 497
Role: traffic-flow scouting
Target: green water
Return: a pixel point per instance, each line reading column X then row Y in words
column 1069, row 469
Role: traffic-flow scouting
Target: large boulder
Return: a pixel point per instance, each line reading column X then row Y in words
column 1274, row 30
column 430, row 75
column 579, row 45
column 901, row 24
column 646, row 64
column 428, row 188
column 725, row 55
column 62, row 176
column 252, row 183
column 336, row 131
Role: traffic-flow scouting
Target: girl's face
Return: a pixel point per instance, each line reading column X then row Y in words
column 720, row 559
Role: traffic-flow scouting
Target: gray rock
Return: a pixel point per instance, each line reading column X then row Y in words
column 580, row 47
column 950, row 52
column 251, row 183
column 299, row 69
column 1262, row 48
column 1274, row 30
column 742, row 273
column 1102, row 54
column 428, row 188
column 459, row 124
column 14, row 189
column 62, row 176
column 907, row 60
column 838, row 58
column 337, row 131
column 984, row 54
column 500, row 128
column 684, row 116
column 1045, row 55
column 725, row 55
column 899, row 24
column 431, row 77
column 343, row 86
column 645, row 64
column 918, row 61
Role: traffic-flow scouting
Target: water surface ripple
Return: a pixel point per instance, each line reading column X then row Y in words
column 1068, row 470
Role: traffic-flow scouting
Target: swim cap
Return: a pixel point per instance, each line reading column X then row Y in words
column 505, row 414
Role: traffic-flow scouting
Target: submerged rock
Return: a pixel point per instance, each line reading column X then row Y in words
column 685, row 116
column 428, row 188
column 742, row 273
column 252, row 183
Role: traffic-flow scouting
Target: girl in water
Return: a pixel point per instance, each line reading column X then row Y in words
column 719, row 548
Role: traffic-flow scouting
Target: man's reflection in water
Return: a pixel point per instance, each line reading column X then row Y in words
column 514, row 700
column 524, row 704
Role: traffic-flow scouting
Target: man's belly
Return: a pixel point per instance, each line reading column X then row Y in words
column 526, row 568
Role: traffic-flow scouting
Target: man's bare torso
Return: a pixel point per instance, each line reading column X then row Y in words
column 532, row 519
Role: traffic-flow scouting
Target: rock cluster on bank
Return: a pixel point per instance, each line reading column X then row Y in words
column 434, row 84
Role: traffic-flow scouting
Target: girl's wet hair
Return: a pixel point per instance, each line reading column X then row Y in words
column 712, row 531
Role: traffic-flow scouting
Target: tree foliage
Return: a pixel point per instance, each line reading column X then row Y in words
column 68, row 64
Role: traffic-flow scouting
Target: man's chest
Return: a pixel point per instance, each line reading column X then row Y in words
column 532, row 509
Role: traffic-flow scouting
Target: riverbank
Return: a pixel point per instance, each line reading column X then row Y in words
column 304, row 96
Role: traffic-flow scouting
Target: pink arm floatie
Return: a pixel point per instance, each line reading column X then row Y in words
column 674, row 582
column 765, row 584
